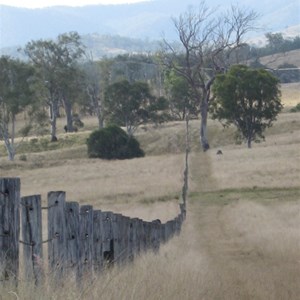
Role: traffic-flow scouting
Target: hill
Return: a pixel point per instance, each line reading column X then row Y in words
column 275, row 60
column 149, row 19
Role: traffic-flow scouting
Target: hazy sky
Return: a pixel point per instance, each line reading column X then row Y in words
column 47, row 3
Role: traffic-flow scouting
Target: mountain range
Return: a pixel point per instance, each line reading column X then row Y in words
column 150, row 20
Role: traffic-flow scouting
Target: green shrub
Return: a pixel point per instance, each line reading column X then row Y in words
column 23, row 157
column 296, row 108
column 113, row 143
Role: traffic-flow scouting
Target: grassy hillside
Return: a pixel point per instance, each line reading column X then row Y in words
column 240, row 240
column 290, row 57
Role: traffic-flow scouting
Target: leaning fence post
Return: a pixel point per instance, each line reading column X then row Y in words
column 32, row 237
column 9, row 227
column 57, row 233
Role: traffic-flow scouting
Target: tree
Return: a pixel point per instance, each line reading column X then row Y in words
column 15, row 96
column 182, row 102
column 56, row 63
column 131, row 105
column 248, row 98
column 208, row 46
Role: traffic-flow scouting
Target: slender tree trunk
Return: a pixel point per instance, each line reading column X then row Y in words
column 53, row 118
column 7, row 142
column 98, row 107
column 69, row 114
column 203, row 125
column 249, row 142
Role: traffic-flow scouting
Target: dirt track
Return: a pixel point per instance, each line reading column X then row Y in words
column 243, row 249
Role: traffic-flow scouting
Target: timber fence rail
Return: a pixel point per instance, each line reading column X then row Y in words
column 82, row 241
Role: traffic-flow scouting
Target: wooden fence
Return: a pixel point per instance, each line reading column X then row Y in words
column 81, row 240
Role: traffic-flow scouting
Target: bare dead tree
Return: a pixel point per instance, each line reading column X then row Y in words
column 208, row 45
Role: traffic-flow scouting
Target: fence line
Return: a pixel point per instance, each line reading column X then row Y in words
column 81, row 241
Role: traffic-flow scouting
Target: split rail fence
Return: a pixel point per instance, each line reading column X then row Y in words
column 81, row 240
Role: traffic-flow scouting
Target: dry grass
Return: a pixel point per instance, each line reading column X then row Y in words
column 119, row 185
column 290, row 94
column 241, row 238
column 273, row 61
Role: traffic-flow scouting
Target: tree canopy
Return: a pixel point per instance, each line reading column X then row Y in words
column 130, row 105
column 248, row 98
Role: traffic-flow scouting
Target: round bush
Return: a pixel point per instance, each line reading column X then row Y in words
column 113, row 142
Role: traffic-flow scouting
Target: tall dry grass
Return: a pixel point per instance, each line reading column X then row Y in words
column 241, row 238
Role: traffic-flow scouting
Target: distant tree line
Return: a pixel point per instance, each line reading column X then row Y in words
column 127, row 90
column 276, row 43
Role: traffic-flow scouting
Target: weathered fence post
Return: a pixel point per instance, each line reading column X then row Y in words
column 155, row 235
column 97, row 241
column 147, row 235
column 86, row 240
column 117, row 244
column 57, row 233
column 9, row 227
column 32, row 238
column 72, row 235
column 132, row 239
column 107, row 238
column 139, row 235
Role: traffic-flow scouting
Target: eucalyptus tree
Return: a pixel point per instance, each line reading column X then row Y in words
column 57, row 65
column 132, row 104
column 247, row 98
column 16, row 95
column 208, row 43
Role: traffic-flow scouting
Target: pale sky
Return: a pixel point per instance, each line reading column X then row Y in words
column 47, row 3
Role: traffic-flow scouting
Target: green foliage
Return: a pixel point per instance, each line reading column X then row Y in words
column 180, row 96
column 113, row 143
column 287, row 73
column 131, row 105
column 296, row 108
column 276, row 43
column 247, row 98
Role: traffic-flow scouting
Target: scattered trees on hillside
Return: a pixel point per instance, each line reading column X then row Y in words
column 248, row 98
column 208, row 47
column 16, row 95
column 56, row 64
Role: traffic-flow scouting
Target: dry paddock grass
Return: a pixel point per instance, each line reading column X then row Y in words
column 241, row 239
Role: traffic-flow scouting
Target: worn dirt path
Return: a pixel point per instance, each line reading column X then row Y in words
column 239, row 248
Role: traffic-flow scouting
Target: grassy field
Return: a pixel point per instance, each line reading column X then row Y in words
column 241, row 239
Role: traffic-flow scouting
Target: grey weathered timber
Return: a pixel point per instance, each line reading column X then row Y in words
column 147, row 235
column 135, row 236
column 182, row 210
column 163, row 233
column 107, row 238
column 117, row 237
column 139, row 236
column 9, row 227
column 32, row 238
column 132, row 239
column 57, row 233
column 125, row 234
column 97, row 241
column 155, row 235
column 86, row 240
column 169, row 229
column 72, row 242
